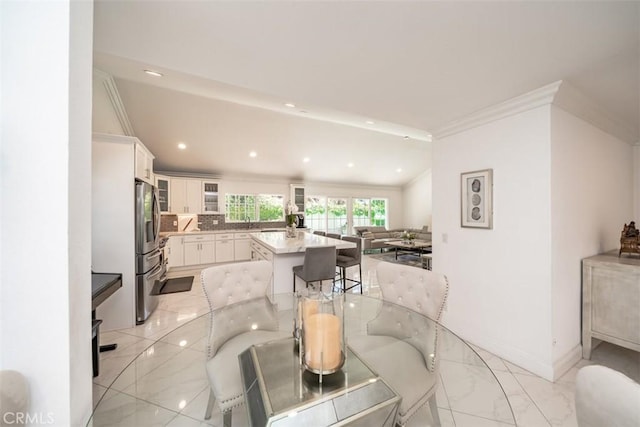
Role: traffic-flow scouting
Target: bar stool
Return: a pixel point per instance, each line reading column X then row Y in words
column 348, row 258
column 333, row 235
column 319, row 233
column 319, row 264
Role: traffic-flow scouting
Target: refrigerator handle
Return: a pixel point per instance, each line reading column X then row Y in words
column 155, row 255
column 156, row 214
column 156, row 271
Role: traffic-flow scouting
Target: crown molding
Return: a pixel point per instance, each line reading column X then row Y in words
column 561, row 94
column 116, row 101
column 528, row 101
column 114, row 138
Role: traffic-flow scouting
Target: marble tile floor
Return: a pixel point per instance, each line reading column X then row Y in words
column 534, row 401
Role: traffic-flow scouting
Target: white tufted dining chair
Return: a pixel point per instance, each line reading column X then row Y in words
column 241, row 316
column 605, row 397
column 401, row 344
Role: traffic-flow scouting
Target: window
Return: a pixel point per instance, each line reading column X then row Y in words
column 315, row 213
column 331, row 214
column 271, row 207
column 378, row 212
column 337, row 216
column 252, row 207
column 240, row 207
column 360, row 212
column 369, row 212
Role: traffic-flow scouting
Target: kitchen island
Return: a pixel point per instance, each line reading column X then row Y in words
column 285, row 253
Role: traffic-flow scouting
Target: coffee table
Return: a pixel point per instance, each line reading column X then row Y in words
column 418, row 247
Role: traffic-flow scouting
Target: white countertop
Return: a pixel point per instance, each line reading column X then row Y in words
column 278, row 243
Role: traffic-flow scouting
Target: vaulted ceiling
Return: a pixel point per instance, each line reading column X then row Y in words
column 363, row 76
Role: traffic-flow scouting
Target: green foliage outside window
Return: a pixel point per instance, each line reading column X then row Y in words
column 378, row 212
column 250, row 207
column 271, row 207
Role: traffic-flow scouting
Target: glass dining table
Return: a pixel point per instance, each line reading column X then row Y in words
column 167, row 383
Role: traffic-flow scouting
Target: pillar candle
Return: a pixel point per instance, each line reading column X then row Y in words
column 322, row 342
column 306, row 308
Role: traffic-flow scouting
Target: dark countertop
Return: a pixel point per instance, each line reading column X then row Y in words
column 102, row 286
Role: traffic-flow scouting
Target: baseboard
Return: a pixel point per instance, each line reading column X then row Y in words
column 566, row 362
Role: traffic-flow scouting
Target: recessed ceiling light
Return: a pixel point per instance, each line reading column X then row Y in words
column 306, row 160
column 350, row 165
column 253, row 154
column 153, row 73
column 399, row 170
column 370, row 122
column 290, row 105
column 182, row 146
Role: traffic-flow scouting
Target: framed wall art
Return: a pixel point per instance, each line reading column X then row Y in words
column 477, row 199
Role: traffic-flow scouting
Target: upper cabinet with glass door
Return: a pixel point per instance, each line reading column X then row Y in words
column 211, row 197
column 162, row 183
column 297, row 197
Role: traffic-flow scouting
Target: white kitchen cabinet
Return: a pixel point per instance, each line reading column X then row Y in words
column 224, row 247
column 175, row 252
column 298, row 197
column 164, row 189
column 199, row 249
column 185, row 196
column 242, row 247
column 211, row 197
column 144, row 164
column 259, row 252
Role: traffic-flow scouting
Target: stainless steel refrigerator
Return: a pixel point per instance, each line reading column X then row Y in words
column 150, row 266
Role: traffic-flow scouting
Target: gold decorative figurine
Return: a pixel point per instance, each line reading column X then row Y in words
column 630, row 239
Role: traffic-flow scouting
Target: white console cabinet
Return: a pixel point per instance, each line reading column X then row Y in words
column 611, row 301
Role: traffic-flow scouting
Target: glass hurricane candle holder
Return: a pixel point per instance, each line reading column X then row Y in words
column 322, row 344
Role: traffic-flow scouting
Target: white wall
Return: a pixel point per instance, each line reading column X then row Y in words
column 591, row 199
column 417, row 197
column 636, row 183
column 45, row 323
column 500, row 280
column 113, row 227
